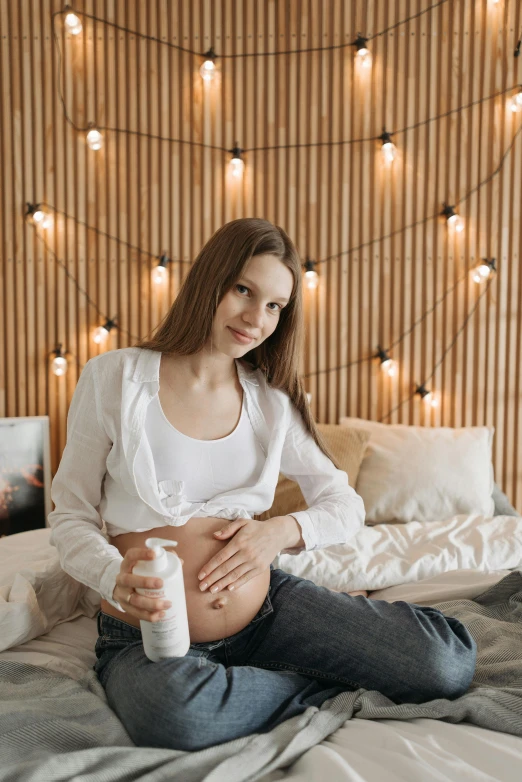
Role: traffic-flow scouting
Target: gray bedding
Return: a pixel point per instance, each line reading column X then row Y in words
column 53, row 728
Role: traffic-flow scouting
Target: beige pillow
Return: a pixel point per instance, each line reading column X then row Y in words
column 422, row 473
column 347, row 446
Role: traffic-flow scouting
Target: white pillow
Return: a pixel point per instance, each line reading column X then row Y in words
column 35, row 593
column 419, row 473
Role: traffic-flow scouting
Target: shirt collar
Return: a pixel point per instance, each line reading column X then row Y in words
column 148, row 364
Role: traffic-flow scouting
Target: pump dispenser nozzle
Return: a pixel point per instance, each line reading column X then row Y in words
column 157, row 545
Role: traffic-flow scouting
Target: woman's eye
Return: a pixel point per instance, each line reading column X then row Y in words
column 272, row 302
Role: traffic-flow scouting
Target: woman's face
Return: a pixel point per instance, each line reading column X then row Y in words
column 252, row 306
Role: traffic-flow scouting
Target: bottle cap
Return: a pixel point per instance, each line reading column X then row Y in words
column 159, row 562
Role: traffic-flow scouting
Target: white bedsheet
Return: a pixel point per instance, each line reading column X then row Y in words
column 408, row 751
column 386, row 555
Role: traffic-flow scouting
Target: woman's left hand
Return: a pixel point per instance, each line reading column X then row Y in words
column 253, row 547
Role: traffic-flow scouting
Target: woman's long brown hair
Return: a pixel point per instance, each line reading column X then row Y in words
column 187, row 326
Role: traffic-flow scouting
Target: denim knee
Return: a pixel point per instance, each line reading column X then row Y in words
column 170, row 704
column 449, row 660
column 461, row 660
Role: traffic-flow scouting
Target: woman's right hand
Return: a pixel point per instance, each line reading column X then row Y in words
column 151, row 609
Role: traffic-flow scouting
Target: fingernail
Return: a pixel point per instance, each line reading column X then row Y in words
column 231, row 588
column 202, row 575
column 203, row 586
column 214, row 589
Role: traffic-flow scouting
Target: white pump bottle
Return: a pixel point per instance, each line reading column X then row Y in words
column 170, row 636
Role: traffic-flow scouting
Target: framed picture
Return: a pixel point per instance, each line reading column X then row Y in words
column 25, row 473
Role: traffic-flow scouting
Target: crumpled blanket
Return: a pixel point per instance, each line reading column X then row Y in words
column 54, row 728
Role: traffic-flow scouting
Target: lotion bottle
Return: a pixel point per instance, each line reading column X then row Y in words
column 170, row 636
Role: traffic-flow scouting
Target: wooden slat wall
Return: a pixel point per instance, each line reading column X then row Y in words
column 339, row 200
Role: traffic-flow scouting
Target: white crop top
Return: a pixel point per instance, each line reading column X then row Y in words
column 195, row 471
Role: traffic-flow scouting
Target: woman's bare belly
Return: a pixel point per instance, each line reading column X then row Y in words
column 211, row 617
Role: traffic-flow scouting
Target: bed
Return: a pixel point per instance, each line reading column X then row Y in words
column 55, row 723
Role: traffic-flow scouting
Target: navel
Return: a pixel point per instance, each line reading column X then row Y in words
column 219, row 602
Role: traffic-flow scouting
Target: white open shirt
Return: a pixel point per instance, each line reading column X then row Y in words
column 107, row 470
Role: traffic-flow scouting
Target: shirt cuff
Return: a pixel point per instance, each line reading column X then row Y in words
column 108, row 582
column 307, row 532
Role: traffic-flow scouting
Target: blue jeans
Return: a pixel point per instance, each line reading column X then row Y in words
column 305, row 645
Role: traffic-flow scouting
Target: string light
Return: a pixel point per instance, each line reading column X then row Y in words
column 362, row 55
column 208, row 69
column 191, row 142
column 102, row 332
column 388, row 149
column 516, row 101
column 483, row 270
column 94, row 138
column 59, row 362
column 427, row 396
column 38, row 216
column 159, row 273
column 388, row 365
column 72, row 21
column 311, row 276
column 237, row 164
column 454, row 220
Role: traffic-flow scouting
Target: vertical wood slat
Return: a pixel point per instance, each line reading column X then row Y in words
column 165, row 195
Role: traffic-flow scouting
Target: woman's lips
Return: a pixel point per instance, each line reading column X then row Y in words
column 240, row 337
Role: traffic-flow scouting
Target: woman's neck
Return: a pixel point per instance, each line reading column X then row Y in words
column 200, row 372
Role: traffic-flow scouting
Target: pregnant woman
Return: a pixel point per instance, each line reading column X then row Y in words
column 184, row 437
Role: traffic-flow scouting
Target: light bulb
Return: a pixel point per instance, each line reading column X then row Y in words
column 59, row 365
column 483, row 270
column 100, row 335
column 73, row 24
column 311, row 279
column 159, row 274
column 428, row 397
column 237, row 166
column 389, row 151
column 390, row 368
column 516, row 102
column 94, row 139
column 364, row 57
column 456, row 222
column 39, row 217
column 208, row 70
